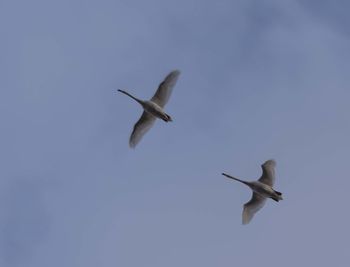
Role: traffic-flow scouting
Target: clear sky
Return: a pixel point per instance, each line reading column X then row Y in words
column 260, row 80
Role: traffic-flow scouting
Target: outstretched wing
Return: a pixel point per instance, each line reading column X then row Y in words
column 164, row 90
column 140, row 128
column 268, row 175
column 252, row 207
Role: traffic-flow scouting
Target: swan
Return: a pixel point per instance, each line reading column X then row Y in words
column 153, row 108
column 262, row 189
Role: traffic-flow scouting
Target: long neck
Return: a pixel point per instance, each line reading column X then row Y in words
column 239, row 180
column 126, row 93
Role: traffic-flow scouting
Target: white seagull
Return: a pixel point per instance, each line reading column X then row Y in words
column 153, row 108
column 262, row 189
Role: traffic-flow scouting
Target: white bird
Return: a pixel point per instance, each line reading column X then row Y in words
column 262, row 189
column 153, row 108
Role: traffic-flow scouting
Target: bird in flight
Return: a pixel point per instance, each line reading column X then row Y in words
column 262, row 189
column 153, row 108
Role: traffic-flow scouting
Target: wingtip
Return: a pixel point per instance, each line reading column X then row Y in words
column 245, row 220
column 270, row 162
column 175, row 72
column 132, row 145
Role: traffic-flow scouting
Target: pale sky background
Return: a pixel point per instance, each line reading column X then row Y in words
column 260, row 79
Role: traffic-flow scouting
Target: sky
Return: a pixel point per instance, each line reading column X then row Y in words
column 259, row 80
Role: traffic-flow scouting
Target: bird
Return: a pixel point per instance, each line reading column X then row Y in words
column 262, row 189
column 153, row 108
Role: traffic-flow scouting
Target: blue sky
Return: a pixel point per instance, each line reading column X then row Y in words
column 260, row 79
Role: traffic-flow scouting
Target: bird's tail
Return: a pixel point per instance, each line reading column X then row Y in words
column 278, row 197
column 167, row 118
column 275, row 199
column 278, row 193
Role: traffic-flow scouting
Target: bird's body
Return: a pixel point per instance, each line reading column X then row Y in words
column 262, row 189
column 153, row 108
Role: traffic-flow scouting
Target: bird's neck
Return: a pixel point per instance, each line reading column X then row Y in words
column 236, row 179
column 136, row 99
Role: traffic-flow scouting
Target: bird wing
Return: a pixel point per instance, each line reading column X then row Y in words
column 164, row 90
column 140, row 128
column 268, row 175
column 251, row 207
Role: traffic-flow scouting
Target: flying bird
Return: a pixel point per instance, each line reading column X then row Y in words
column 153, row 108
column 262, row 189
